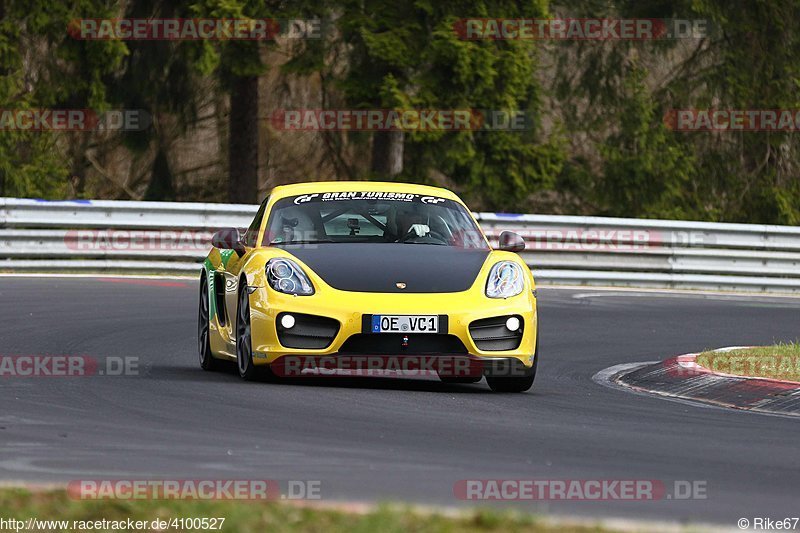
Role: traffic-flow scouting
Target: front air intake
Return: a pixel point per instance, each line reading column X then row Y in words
column 493, row 335
column 308, row 332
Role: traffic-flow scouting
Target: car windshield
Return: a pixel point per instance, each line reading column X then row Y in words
column 372, row 217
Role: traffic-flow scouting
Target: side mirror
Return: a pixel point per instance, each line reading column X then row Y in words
column 511, row 242
column 228, row 239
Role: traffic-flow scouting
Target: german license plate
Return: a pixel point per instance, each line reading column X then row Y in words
column 405, row 323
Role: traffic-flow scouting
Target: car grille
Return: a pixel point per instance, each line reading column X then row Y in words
column 492, row 335
column 310, row 332
column 392, row 344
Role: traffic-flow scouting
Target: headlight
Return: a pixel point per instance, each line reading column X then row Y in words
column 286, row 276
column 506, row 279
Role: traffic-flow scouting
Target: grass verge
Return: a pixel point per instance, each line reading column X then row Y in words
column 781, row 361
column 22, row 504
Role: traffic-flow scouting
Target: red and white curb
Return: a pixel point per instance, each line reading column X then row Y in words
column 682, row 378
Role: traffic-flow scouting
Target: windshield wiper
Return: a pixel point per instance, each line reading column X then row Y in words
column 275, row 243
column 426, row 243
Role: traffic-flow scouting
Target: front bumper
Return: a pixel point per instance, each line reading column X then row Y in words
column 349, row 309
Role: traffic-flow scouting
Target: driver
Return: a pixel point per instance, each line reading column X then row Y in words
column 410, row 221
column 295, row 225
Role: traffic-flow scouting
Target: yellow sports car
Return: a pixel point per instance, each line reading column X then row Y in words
column 344, row 275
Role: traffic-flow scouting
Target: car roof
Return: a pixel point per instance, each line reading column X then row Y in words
column 294, row 189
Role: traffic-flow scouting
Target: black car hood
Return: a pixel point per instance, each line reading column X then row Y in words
column 379, row 267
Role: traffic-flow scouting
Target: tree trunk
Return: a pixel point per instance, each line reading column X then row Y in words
column 387, row 153
column 243, row 141
column 161, row 186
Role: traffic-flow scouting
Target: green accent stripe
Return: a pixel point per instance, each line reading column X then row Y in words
column 212, row 300
column 226, row 257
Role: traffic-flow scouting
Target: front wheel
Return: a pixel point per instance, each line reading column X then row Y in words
column 516, row 383
column 207, row 361
column 244, row 346
column 512, row 384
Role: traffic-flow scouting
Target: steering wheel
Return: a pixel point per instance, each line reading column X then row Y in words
column 432, row 234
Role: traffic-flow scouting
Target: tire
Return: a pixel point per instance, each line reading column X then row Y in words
column 244, row 344
column 516, row 383
column 207, row 359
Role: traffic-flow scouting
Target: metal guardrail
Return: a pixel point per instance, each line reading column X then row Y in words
column 153, row 237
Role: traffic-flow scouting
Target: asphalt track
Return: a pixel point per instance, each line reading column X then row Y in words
column 389, row 439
